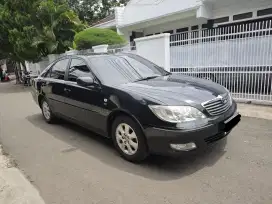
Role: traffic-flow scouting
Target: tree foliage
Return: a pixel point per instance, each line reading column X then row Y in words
column 58, row 24
column 90, row 37
column 31, row 29
column 16, row 29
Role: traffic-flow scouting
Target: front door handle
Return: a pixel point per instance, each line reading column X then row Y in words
column 67, row 90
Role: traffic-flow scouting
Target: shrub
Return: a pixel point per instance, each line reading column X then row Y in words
column 90, row 37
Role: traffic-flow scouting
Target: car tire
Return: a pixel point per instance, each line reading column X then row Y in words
column 47, row 112
column 129, row 140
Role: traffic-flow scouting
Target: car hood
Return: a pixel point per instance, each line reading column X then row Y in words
column 175, row 90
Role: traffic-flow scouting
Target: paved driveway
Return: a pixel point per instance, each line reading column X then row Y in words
column 70, row 165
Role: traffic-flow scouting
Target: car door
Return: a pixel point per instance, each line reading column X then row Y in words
column 84, row 104
column 53, row 85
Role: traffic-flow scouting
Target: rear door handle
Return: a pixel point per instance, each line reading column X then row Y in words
column 67, row 90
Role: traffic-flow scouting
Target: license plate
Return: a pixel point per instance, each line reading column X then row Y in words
column 232, row 122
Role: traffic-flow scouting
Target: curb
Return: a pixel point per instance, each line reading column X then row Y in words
column 255, row 111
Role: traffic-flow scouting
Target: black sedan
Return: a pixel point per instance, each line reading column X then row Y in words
column 143, row 108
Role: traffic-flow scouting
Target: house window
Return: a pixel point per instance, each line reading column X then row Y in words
column 181, row 30
column 264, row 12
column 242, row 16
column 221, row 20
column 194, row 27
column 208, row 25
column 169, row 31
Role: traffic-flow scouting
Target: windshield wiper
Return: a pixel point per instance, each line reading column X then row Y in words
column 146, row 78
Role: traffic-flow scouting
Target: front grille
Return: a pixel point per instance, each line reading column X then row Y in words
column 219, row 105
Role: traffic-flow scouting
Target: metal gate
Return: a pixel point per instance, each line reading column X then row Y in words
column 238, row 57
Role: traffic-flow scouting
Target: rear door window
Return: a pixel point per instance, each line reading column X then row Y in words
column 58, row 69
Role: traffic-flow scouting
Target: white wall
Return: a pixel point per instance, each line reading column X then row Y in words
column 188, row 22
column 145, row 14
column 144, row 10
column 223, row 8
column 37, row 68
column 156, row 49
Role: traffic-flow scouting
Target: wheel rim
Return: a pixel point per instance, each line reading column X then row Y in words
column 126, row 139
column 46, row 110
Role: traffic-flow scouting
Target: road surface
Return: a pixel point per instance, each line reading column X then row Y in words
column 70, row 165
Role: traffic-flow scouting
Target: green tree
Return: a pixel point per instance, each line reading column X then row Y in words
column 58, row 24
column 31, row 29
column 16, row 30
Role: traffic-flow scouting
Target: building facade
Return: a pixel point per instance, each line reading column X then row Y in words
column 150, row 17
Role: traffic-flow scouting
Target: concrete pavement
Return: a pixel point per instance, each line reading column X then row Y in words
column 255, row 111
column 14, row 187
column 71, row 165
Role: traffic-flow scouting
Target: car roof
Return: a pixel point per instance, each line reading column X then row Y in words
column 101, row 55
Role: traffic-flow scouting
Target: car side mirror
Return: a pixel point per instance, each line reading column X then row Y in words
column 86, row 81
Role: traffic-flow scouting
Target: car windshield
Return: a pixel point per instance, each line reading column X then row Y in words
column 119, row 69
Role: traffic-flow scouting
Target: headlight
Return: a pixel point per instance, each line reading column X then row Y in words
column 229, row 96
column 178, row 114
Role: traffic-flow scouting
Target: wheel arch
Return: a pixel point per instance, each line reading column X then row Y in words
column 40, row 98
column 120, row 112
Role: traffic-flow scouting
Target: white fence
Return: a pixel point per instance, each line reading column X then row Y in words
column 238, row 57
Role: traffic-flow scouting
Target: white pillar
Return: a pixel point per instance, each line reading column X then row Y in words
column 155, row 48
column 53, row 57
column 71, row 52
column 119, row 18
column 204, row 11
column 100, row 49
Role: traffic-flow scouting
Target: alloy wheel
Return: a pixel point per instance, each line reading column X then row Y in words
column 46, row 110
column 126, row 139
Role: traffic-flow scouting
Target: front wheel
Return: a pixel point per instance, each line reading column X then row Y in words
column 129, row 139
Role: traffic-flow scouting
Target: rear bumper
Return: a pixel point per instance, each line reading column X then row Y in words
column 159, row 140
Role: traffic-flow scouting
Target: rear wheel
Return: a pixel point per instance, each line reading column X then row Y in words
column 129, row 139
column 47, row 112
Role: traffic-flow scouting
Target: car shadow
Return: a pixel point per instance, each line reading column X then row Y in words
column 155, row 167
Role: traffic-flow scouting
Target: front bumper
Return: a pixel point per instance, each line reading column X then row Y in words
column 159, row 140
